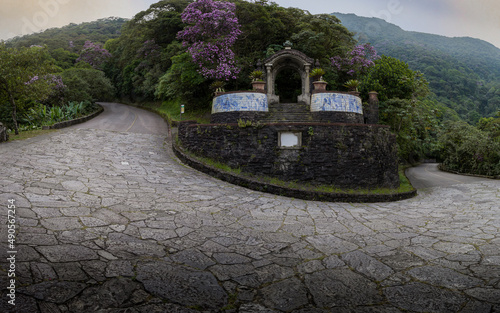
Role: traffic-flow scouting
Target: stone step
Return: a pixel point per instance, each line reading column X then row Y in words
column 280, row 117
column 289, row 108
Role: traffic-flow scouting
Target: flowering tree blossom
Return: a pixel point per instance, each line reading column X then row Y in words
column 356, row 62
column 53, row 82
column 213, row 30
column 94, row 54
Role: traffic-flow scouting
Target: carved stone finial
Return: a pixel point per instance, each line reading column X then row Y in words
column 259, row 65
column 288, row 45
column 317, row 64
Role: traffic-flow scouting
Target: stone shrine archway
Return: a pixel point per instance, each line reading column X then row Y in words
column 289, row 59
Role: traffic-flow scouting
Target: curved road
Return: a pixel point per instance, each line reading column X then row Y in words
column 108, row 220
column 124, row 118
column 428, row 175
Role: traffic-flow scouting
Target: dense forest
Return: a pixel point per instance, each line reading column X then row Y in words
column 463, row 73
column 168, row 56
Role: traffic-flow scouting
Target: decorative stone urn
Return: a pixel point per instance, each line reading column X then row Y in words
column 259, row 85
column 320, row 86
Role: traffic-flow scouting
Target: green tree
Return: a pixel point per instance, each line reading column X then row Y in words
column 85, row 84
column 183, row 82
column 393, row 78
column 467, row 149
column 20, row 70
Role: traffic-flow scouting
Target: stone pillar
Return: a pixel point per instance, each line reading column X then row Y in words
column 371, row 110
column 307, row 90
column 270, row 85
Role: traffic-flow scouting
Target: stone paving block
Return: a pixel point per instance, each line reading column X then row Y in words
column 286, row 295
column 439, row 276
column 193, row 239
column 67, row 253
column 42, row 272
column 341, row 287
column 169, row 282
column 61, row 223
column 36, row 239
column 120, row 268
column 329, row 244
column 424, row 298
column 485, row 294
column 69, row 271
column 56, row 292
column 367, row 265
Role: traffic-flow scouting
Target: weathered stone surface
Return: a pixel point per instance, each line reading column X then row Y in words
column 113, row 294
column 254, row 308
column 231, row 258
column 367, row 265
column 231, row 245
column 118, row 243
column 366, row 152
column 23, row 304
column 286, row 295
column 331, row 288
column 485, row 294
column 61, row 223
column 439, row 276
column 119, row 268
column 330, row 244
column 424, row 298
column 169, row 282
column 57, row 292
column 67, row 253
column 69, row 272
column 193, row 258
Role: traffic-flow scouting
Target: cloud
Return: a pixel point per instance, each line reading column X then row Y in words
column 28, row 16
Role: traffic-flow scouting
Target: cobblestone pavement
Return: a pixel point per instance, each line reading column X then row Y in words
column 112, row 222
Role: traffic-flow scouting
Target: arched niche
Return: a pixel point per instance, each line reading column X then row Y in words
column 289, row 59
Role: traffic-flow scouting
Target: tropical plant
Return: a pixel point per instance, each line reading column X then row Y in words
column 256, row 75
column 20, row 70
column 317, row 74
column 217, row 86
column 352, row 85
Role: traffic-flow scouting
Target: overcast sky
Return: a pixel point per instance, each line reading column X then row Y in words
column 473, row 18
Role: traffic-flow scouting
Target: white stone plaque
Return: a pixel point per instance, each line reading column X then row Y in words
column 290, row 140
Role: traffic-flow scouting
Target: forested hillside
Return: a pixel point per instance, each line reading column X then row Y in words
column 463, row 73
column 59, row 38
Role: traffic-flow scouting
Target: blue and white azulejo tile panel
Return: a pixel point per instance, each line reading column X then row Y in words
column 336, row 102
column 237, row 102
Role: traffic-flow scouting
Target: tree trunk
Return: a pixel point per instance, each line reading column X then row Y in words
column 14, row 112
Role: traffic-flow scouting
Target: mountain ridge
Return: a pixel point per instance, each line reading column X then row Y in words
column 463, row 72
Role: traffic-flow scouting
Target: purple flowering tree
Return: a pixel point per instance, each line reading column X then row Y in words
column 54, row 84
column 356, row 62
column 94, row 54
column 212, row 31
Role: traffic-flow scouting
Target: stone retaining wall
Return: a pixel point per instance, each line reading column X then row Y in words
column 344, row 155
column 75, row 121
column 311, row 195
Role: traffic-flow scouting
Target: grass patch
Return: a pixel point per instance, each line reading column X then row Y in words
column 29, row 134
column 171, row 110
